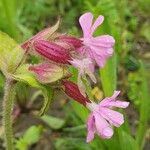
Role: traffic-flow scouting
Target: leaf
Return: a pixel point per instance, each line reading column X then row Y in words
column 48, row 95
column 71, row 144
column 11, row 54
column 53, row 122
column 145, row 30
column 144, row 107
column 108, row 76
column 127, row 142
column 31, row 136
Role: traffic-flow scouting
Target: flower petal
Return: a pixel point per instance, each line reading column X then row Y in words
column 100, row 56
column 106, row 102
column 86, row 23
column 104, row 41
column 119, row 104
column 90, row 128
column 113, row 117
column 103, row 128
column 97, row 23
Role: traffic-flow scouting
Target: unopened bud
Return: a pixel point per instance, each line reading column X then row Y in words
column 75, row 42
column 72, row 90
column 45, row 34
column 52, row 51
column 48, row 72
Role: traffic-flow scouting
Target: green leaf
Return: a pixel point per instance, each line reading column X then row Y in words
column 31, row 136
column 108, row 76
column 71, row 144
column 11, row 54
column 127, row 142
column 145, row 30
column 48, row 95
column 144, row 107
column 53, row 122
column 10, row 11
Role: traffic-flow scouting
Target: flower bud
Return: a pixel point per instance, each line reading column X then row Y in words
column 75, row 42
column 72, row 90
column 52, row 51
column 48, row 72
column 45, row 34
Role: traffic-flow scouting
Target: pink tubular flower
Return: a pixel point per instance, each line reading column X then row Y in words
column 48, row 72
column 84, row 66
column 98, row 48
column 72, row 90
column 103, row 117
column 52, row 51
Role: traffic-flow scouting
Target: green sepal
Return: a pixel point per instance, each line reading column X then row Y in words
column 22, row 74
column 11, row 54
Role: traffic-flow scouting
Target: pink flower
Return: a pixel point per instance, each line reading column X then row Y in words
column 102, row 117
column 98, row 48
column 84, row 66
column 48, row 72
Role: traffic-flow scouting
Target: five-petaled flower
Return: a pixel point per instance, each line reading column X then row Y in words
column 99, row 48
column 102, row 117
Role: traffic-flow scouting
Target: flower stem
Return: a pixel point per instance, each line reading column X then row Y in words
column 9, row 94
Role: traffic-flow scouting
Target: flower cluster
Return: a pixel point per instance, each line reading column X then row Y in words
column 60, row 51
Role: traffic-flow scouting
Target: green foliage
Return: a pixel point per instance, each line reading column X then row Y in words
column 22, row 74
column 71, row 144
column 8, row 13
column 108, row 76
column 53, row 122
column 145, row 30
column 30, row 137
column 144, row 107
column 11, row 54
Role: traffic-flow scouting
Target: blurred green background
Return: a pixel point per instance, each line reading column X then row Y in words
column 64, row 129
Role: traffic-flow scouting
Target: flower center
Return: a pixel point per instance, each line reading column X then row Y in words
column 92, row 106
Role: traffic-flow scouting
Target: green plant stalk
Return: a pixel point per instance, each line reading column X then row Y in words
column 144, row 109
column 9, row 94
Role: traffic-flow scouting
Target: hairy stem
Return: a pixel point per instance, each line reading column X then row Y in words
column 7, row 112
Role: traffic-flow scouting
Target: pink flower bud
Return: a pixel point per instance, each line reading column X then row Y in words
column 52, row 51
column 75, row 42
column 72, row 90
column 48, row 72
column 45, row 34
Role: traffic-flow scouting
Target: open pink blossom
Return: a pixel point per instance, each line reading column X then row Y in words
column 98, row 48
column 102, row 117
column 84, row 66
